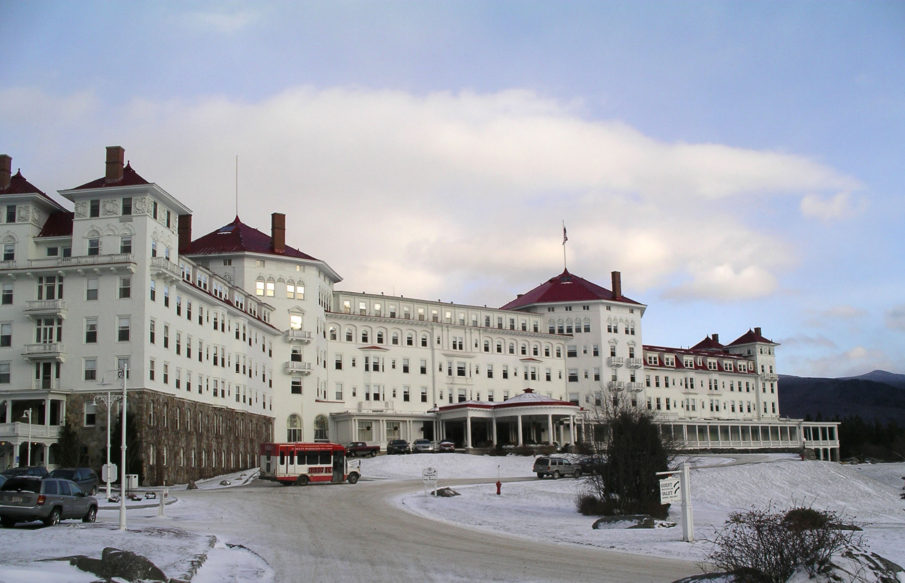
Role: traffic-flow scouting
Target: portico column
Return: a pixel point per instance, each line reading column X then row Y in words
column 467, row 430
column 572, row 429
column 550, row 428
column 493, row 431
column 520, row 440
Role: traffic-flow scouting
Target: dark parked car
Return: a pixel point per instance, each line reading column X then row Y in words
column 592, row 464
column 86, row 478
column 398, row 446
column 27, row 498
column 39, row 471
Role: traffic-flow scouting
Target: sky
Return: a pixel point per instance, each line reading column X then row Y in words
column 738, row 163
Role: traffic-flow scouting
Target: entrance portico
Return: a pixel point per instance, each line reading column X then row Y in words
column 529, row 418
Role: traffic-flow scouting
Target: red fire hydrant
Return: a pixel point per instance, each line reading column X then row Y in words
column 498, row 486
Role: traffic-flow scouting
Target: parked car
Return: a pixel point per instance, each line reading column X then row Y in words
column 398, row 446
column 86, row 478
column 446, row 446
column 362, row 449
column 27, row 498
column 3, row 479
column 555, row 467
column 422, row 446
column 39, row 471
column 592, row 464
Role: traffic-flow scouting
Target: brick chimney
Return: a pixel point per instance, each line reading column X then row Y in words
column 6, row 165
column 715, row 337
column 617, row 285
column 278, row 232
column 185, row 232
column 115, row 158
column 757, row 330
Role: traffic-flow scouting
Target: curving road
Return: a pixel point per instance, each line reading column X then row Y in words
column 351, row 533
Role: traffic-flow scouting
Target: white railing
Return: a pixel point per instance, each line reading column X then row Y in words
column 48, row 350
column 615, row 360
column 45, row 306
column 298, row 367
column 298, row 335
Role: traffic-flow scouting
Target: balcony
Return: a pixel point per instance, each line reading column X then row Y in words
column 634, row 387
column 303, row 336
column 634, row 362
column 614, row 361
column 84, row 260
column 165, row 267
column 41, row 308
column 296, row 367
column 771, row 376
column 18, row 431
column 45, row 351
column 616, row 385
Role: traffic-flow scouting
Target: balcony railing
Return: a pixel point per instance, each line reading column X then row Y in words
column 634, row 387
column 634, row 362
column 45, row 307
column 616, row 385
column 81, row 260
column 298, row 336
column 162, row 265
column 293, row 366
column 615, row 361
column 20, row 432
column 44, row 351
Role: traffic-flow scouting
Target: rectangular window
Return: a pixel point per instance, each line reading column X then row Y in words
column 9, row 252
column 125, row 245
column 6, row 334
column 125, row 287
column 94, row 246
column 50, row 287
column 127, row 205
column 10, row 213
column 151, row 369
column 7, row 297
column 122, row 328
column 90, row 330
column 94, row 208
column 90, row 414
column 91, row 289
column 90, row 369
column 4, row 373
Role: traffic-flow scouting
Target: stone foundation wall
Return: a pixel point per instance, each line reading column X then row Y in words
column 177, row 440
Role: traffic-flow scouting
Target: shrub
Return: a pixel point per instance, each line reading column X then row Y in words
column 763, row 545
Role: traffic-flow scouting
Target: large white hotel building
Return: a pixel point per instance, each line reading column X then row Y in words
column 236, row 338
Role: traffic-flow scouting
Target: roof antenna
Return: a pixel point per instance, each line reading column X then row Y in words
column 564, row 239
column 237, row 185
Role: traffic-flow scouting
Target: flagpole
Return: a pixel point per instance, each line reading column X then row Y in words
column 564, row 239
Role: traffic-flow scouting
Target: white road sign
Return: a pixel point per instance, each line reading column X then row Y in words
column 670, row 491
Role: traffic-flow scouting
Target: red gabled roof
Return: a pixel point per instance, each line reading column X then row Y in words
column 565, row 287
column 750, row 337
column 57, row 225
column 130, row 178
column 708, row 343
column 18, row 185
column 237, row 237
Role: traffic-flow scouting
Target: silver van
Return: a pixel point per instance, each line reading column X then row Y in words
column 556, row 467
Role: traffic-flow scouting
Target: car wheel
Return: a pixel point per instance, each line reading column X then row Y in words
column 353, row 478
column 301, row 481
column 556, row 474
column 91, row 516
column 54, row 518
column 373, row 454
column 577, row 473
column 540, row 476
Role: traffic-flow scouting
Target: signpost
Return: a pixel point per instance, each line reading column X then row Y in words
column 674, row 488
column 429, row 479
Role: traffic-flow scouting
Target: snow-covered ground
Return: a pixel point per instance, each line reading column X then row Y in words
column 867, row 495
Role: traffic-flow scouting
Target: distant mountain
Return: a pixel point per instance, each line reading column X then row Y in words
column 875, row 396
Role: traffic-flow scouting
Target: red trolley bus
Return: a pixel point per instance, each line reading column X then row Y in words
column 304, row 463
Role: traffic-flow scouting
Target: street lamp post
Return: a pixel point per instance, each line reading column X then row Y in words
column 109, row 403
column 27, row 413
column 124, row 373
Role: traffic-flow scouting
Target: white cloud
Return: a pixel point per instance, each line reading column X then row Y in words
column 895, row 318
column 456, row 194
column 827, row 208
column 832, row 315
column 853, row 361
column 220, row 21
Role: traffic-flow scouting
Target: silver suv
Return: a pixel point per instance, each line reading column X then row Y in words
column 556, row 467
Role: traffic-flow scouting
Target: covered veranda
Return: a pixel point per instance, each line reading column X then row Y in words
column 529, row 418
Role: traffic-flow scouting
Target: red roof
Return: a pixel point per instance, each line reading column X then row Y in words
column 750, row 337
column 57, row 225
column 237, row 237
column 565, row 287
column 130, row 178
column 708, row 343
column 18, row 185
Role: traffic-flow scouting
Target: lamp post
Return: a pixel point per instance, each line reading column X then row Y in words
column 27, row 413
column 124, row 374
column 108, row 401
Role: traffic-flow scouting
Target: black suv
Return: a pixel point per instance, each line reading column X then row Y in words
column 398, row 446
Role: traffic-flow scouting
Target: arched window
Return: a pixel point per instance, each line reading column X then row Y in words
column 332, row 332
column 294, row 428
column 349, row 334
column 320, row 428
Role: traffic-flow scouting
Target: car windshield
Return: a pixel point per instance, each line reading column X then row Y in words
column 68, row 474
